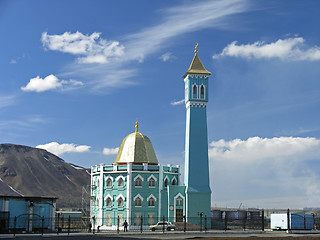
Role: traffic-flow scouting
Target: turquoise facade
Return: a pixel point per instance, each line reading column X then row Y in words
column 156, row 186
column 135, row 198
column 198, row 192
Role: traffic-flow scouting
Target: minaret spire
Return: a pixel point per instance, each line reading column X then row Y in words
column 196, row 175
column 137, row 126
column 196, row 66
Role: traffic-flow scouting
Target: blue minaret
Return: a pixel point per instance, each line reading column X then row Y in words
column 198, row 192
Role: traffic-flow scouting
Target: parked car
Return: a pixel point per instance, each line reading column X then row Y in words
column 163, row 225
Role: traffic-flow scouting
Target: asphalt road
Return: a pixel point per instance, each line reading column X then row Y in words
column 171, row 235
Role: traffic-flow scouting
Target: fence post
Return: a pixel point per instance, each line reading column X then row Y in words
column 14, row 226
column 314, row 223
column 304, row 221
column 69, row 222
column 141, row 224
column 225, row 221
column 118, row 224
column 201, row 221
column 205, row 223
column 94, row 224
column 42, row 226
column 62, row 223
column 288, row 219
column 262, row 220
column 244, row 223
column 58, row 224
column 163, row 219
column 184, row 223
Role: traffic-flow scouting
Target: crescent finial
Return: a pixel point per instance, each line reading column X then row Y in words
column 196, row 48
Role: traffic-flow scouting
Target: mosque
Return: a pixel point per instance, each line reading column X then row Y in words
column 137, row 188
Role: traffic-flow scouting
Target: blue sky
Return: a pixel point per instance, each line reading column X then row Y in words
column 75, row 76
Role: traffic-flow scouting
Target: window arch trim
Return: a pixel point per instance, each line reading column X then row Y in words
column 138, row 196
column 164, row 181
column 174, row 179
column 151, row 196
column 121, row 196
column 138, row 176
column 152, row 176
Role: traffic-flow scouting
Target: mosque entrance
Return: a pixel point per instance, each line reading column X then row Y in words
column 179, row 215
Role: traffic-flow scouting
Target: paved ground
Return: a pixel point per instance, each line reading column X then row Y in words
column 217, row 235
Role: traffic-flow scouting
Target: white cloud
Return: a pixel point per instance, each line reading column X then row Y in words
column 92, row 48
column 292, row 49
column 174, row 103
column 110, row 151
column 50, row 82
column 59, row 149
column 255, row 169
column 256, row 148
column 7, row 100
column 201, row 15
column 166, row 56
column 118, row 73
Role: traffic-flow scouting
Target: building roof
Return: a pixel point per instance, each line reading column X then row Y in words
column 136, row 148
column 196, row 66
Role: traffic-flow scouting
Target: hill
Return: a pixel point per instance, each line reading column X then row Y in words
column 31, row 171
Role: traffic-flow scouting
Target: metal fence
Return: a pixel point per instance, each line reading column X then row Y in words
column 223, row 220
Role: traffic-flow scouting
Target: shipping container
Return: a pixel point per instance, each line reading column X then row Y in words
column 298, row 221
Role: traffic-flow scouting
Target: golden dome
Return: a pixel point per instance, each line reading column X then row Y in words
column 136, row 148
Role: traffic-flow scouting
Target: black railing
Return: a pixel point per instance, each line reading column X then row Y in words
column 224, row 221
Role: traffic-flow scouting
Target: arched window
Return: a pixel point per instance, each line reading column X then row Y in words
column 137, row 202
column 138, row 182
column 109, row 202
column 120, row 182
column 202, row 92
column 174, row 181
column 109, row 183
column 151, row 202
column 152, row 182
column 194, row 91
column 120, row 202
column 179, row 201
column 166, row 182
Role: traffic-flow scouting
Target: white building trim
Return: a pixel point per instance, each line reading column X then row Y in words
column 120, row 196
column 151, row 196
column 160, row 188
column 107, row 177
column 165, row 180
column 204, row 91
column 145, row 166
column 108, row 196
column 196, row 104
column 175, row 203
column 129, row 192
column 106, row 180
column 174, row 178
column 197, row 91
column 205, row 76
column 138, row 195
column 151, row 176
column 115, row 167
column 138, row 176
column 120, row 176
column 100, row 212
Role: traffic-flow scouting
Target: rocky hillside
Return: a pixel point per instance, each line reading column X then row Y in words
column 31, row 171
